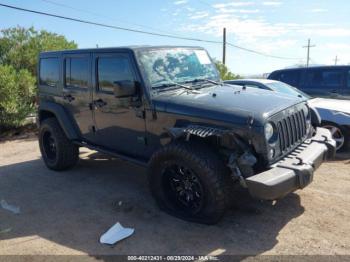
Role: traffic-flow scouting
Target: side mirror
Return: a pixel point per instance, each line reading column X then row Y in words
column 125, row 88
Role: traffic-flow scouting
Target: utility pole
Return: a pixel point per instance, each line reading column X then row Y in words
column 224, row 47
column 336, row 60
column 308, row 52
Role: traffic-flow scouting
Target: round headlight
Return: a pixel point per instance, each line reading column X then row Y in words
column 268, row 131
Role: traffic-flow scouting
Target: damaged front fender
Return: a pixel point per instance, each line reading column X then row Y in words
column 200, row 131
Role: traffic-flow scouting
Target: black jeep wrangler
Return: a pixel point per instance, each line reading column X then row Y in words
column 166, row 108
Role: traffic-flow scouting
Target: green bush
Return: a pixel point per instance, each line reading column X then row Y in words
column 225, row 73
column 21, row 46
column 17, row 93
column 19, row 50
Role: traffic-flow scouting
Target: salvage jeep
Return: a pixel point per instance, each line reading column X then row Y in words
column 166, row 108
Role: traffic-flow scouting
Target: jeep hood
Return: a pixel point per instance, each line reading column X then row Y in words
column 227, row 103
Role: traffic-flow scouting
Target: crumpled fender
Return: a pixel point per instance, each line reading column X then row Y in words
column 197, row 130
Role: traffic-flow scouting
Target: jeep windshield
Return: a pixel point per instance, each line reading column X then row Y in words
column 177, row 67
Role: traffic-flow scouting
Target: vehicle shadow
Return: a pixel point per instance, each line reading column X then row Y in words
column 75, row 207
column 341, row 156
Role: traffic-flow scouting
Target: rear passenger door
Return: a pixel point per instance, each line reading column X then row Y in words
column 323, row 82
column 119, row 121
column 77, row 91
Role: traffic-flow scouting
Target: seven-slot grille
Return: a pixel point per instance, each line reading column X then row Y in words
column 291, row 130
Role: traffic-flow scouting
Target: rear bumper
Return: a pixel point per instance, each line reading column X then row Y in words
column 295, row 171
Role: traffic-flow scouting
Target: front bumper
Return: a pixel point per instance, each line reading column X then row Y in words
column 295, row 171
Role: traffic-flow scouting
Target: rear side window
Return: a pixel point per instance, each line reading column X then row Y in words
column 289, row 77
column 112, row 70
column 349, row 79
column 77, row 72
column 323, row 79
column 49, row 72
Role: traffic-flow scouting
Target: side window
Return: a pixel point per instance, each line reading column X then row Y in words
column 77, row 72
column 332, row 78
column 323, row 78
column 49, row 72
column 349, row 79
column 289, row 77
column 112, row 70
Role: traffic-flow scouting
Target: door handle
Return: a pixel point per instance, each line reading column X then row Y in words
column 100, row 103
column 68, row 97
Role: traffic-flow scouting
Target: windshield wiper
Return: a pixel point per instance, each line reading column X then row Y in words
column 203, row 80
column 172, row 84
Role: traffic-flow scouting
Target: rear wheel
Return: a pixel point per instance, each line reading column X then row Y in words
column 58, row 152
column 188, row 181
column 339, row 134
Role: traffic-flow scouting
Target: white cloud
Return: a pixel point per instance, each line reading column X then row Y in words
column 272, row 3
column 245, row 30
column 234, row 10
column 248, row 11
column 269, row 46
column 233, row 4
column 235, row 7
column 327, row 32
column 338, row 46
column 326, row 53
column 190, row 9
column 198, row 15
column 318, row 10
column 180, row 2
column 258, row 33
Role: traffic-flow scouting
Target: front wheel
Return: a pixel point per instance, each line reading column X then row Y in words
column 58, row 152
column 188, row 181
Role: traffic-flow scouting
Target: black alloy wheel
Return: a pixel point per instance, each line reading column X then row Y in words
column 50, row 147
column 183, row 188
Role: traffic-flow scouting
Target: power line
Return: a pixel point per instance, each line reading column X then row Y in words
column 99, row 15
column 142, row 32
column 107, row 26
column 260, row 53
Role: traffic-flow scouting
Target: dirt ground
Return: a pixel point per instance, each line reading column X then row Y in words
column 66, row 212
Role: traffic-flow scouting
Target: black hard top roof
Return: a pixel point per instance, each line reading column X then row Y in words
column 111, row 49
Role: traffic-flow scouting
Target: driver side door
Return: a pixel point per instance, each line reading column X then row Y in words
column 119, row 125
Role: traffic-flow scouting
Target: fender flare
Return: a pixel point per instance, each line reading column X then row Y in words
column 315, row 117
column 65, row 120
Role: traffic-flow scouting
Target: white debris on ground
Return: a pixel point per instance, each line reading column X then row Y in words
column 8, row 207
column 115, row 234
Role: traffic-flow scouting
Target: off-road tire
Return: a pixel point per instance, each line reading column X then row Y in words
column 210, row 169
column 67, row 153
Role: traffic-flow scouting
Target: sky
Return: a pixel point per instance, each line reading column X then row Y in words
column 273, row 27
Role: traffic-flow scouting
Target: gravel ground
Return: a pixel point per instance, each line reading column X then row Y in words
column 65, row 213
